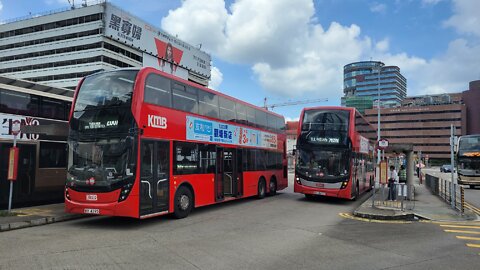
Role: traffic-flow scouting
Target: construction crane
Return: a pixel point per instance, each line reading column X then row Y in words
column 291, row 103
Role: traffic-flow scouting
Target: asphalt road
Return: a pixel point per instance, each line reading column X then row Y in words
column 471, row 195
column 281, row 232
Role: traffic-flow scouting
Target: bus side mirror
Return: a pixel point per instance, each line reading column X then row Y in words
column 294, row 152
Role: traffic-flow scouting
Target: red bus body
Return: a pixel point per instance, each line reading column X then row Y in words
column 358, row 162
column 165, row 127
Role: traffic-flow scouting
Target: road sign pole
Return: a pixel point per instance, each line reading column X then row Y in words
column 11, row 182
column 15, row 129
column 452, row 161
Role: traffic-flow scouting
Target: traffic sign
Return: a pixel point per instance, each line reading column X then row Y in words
column 383, row 143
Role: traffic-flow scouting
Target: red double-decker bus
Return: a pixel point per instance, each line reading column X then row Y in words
column 144, row 143
column 335, row 153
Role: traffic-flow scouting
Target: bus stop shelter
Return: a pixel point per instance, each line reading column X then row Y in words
column 407, row 149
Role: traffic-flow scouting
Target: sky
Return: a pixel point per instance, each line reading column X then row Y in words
column 295, row 50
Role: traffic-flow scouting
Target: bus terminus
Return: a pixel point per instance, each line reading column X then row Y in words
column 468, row 160
column 144, row 143
column 334, row 153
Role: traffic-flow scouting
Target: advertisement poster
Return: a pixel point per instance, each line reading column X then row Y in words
column 170, row 51
column 199, row 129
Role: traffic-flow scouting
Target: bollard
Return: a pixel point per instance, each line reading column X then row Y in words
column 462, row 200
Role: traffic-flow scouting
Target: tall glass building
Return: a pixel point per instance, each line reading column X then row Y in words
column 364, row 79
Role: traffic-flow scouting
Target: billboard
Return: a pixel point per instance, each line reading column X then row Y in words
column 7, row 121
column 171, row 52
column 200, row 129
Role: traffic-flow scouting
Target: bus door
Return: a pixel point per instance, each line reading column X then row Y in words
column 154, row 176
column 238, row 191
column 219, row 187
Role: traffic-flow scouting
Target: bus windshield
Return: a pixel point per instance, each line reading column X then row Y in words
column 323, row 164
column 102, row 162
column 113, row 88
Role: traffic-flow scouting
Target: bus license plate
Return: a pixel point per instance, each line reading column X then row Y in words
column 91, row 211
column 320, row 193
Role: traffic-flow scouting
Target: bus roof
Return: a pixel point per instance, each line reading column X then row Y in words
column 150, row 69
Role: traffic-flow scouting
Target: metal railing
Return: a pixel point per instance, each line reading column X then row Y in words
column 443, row 189
column 394, row 196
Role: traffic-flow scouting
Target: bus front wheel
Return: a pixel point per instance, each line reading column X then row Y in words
column 183, row 202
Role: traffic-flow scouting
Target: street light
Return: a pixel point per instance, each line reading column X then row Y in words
column 378, row 69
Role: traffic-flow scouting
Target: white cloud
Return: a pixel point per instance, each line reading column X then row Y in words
column 378, row 8
column 383, row 45
column 466, row 18
column 291, row 54
column 216, row 79
column 291, row 119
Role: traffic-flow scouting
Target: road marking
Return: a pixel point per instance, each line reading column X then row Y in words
column 459, row 231
column 469, row 238
column 473, row 208
column 473, row 245
column 460, row 226
column 350, row 216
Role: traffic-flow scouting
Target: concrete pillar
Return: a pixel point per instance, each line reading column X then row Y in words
column 410, row 169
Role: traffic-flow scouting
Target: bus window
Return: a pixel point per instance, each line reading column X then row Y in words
column 208, row 104
column 157, row 90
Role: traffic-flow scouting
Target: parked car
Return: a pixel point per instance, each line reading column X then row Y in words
column 446, row 168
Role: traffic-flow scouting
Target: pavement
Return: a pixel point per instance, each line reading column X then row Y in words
column 35, row 216
column 425, row 206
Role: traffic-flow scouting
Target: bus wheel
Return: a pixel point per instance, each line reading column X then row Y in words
column 183, row 202
column 261, row 189
column 272, row 187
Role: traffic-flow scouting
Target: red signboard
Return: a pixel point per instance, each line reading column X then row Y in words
column 12, row 164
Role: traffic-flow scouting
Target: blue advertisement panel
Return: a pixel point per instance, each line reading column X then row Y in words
column 199, row 129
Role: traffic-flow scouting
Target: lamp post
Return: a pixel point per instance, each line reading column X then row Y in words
column 378, row 69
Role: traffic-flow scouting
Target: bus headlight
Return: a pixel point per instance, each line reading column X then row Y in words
column 297, row 179
column 344, row 184
column 67, row 195
column 124, row 192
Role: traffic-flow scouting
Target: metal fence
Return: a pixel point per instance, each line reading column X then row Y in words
column 443, row 189
column 394, row 197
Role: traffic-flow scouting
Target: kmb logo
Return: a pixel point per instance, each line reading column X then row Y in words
column 156, row 121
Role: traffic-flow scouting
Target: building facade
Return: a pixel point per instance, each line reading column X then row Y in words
column 471, row 98
column 59, row 48
column 364, row 79
column 424, row 122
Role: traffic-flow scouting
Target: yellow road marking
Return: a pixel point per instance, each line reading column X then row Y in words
column 460, row 226
column 459, row 231
column 473, row 245
column 469, row 238
column 349, row 216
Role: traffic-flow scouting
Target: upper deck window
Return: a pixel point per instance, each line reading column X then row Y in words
column 106, row 90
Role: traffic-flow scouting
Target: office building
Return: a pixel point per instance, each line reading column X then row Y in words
column 367, row 78
column 60, row 47
column 423, row 121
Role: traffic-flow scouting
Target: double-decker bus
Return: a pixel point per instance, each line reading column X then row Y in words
column 468, row 160
column 42, row 163
column 145, row 143
column 335, row 153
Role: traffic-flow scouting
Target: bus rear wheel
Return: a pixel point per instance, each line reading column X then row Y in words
column 272, row 188
column 261, row 190
column 183, row 202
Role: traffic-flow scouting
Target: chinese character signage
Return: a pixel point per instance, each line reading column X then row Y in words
column 199, row 129
column 171, row 52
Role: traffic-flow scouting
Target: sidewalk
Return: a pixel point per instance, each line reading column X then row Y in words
column 427, row 206
column 35, row 216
